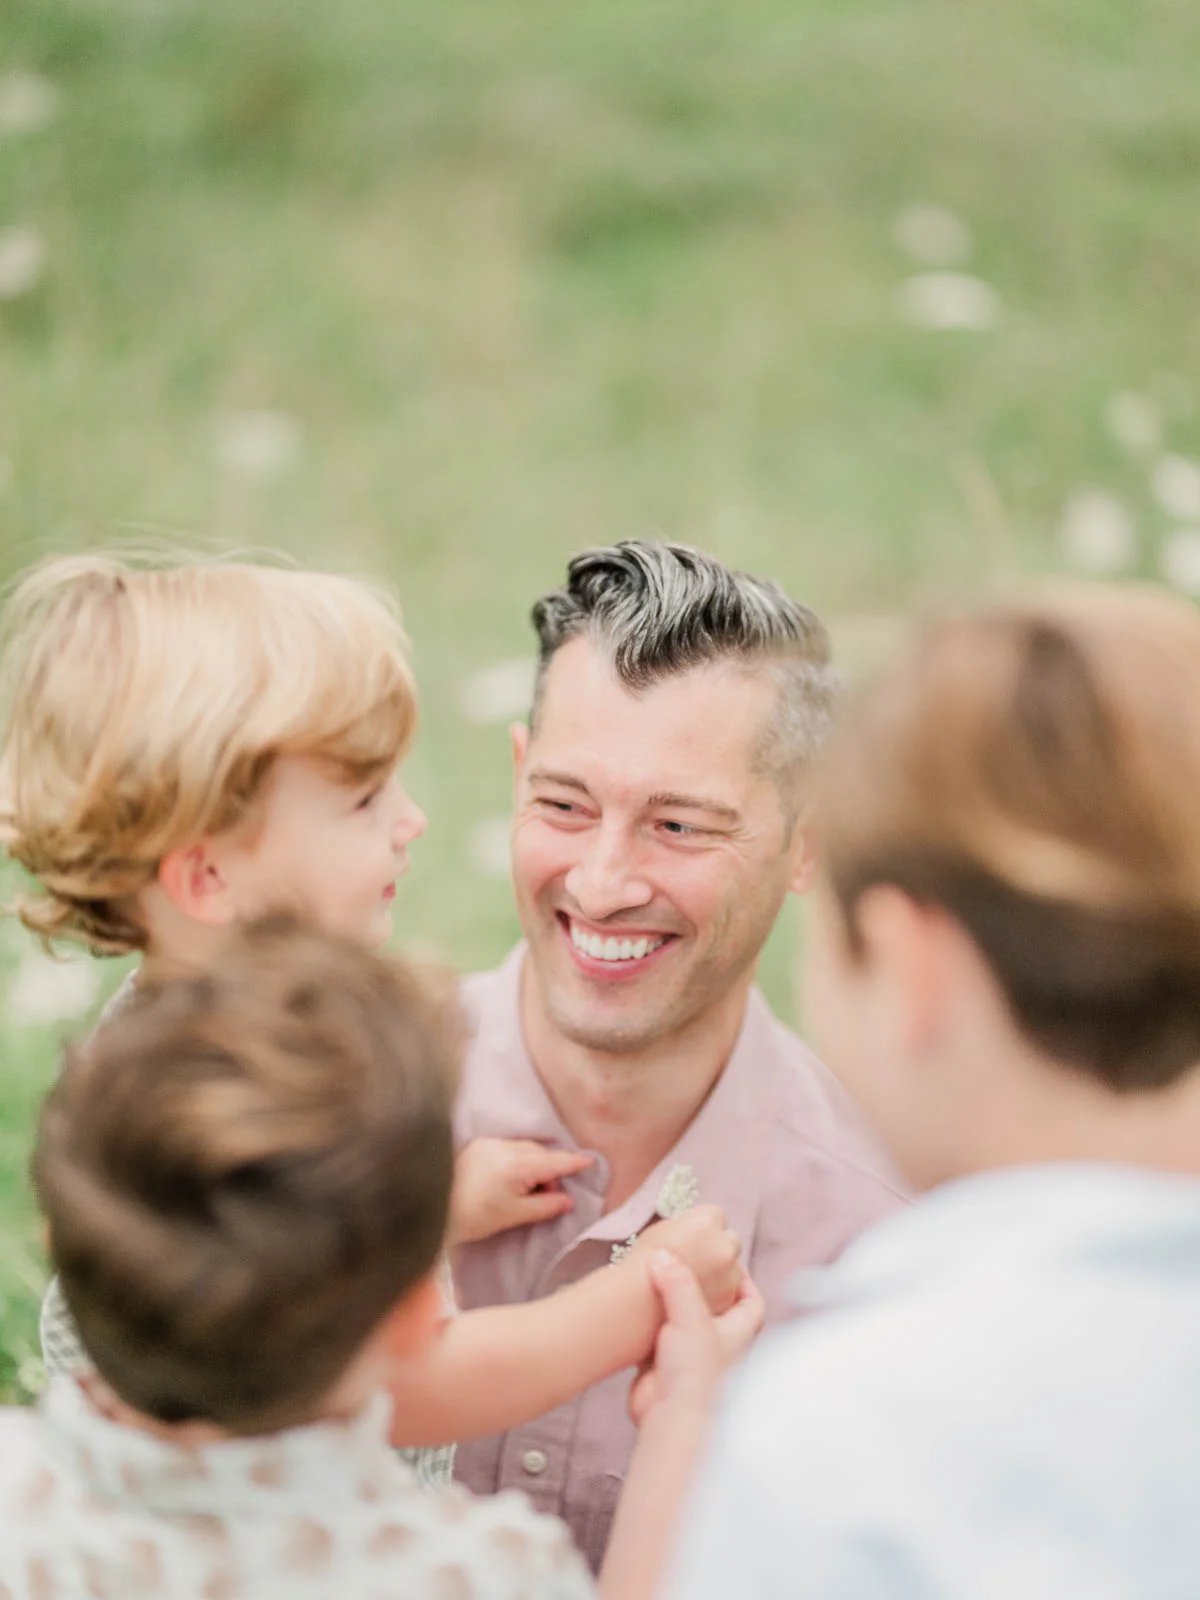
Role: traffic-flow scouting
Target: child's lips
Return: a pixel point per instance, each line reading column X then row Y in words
column 390, row 892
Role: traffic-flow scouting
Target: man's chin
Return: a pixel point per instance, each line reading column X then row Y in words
column 608, row 1033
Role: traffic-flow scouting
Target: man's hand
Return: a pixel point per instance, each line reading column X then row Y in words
column 509, row 1183
column 682, row 1359
column 700, row 1239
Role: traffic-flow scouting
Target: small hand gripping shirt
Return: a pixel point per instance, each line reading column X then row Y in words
column 90, row 1507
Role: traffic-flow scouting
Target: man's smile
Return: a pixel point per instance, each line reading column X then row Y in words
column 611, row 952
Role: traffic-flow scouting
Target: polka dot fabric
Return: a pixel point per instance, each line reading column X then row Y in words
column 90, row 1509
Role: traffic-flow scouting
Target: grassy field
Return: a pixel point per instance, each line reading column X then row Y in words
column 448, row 288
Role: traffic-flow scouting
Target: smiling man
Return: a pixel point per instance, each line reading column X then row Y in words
column 660, row 825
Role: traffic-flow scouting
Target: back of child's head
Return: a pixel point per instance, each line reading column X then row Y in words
column 144, row 708
column 1034, row 770
column 245, row 1171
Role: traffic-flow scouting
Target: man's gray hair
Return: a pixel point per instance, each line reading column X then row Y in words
column 661, row 609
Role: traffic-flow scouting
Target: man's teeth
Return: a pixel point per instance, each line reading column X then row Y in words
column 612, row 949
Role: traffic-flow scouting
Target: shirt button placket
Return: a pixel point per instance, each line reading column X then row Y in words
column 534, row 1462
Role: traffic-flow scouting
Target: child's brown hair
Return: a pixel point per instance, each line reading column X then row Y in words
column 145, row 706
column 245, row 1171
column 1035, row 770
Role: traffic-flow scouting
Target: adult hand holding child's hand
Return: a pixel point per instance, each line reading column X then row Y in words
column 703, row 1242
column 692, row 1352
column 509, row 1183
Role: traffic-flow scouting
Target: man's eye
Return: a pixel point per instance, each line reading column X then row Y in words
column 682, row 830
column 560, row 807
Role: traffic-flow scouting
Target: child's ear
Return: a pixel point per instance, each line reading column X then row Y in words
column 191, row 878
column 413, row 1325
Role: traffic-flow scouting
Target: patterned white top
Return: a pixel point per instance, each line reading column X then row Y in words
column 63, row 1352
column 89, row 1507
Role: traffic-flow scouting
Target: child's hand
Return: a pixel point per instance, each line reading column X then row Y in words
column 509, row 1183
column 702, row 1242
column 733, row 1333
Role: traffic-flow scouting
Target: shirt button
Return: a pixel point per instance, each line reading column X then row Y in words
column 535, row 1462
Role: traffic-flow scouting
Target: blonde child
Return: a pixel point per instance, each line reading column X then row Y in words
column 246, row 1178
column 189, row 746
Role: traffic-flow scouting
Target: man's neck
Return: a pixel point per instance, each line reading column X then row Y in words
column 632, row 1108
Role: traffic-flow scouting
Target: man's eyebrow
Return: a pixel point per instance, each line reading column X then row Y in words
column 693, row 802
column 564, row 779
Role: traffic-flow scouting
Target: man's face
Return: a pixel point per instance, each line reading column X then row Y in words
column 650, row 858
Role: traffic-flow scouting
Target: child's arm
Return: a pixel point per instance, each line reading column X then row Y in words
column 498, row 1367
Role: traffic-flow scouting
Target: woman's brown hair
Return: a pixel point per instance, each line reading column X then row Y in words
column 245, row 1171
column 1035, row 770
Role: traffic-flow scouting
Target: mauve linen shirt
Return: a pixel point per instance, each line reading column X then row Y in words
column 777, row 1145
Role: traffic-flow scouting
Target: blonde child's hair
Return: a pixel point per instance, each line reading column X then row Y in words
column 144, row 708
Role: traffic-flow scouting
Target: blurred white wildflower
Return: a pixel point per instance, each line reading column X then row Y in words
column 28, row 103
column 949, row 300
column 1096, row 533
column 1175, row 484
column 499, row 693
column 679, row 1193
column 933, row 236
column 46, row 989
column 1180, row 560
column 489, row 847
column 1133, row 421
column 22, row 261
column 257, row 444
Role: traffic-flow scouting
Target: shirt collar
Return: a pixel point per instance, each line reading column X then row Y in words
column 722, row 1145
column 1008, row 1220
column 316, row 1464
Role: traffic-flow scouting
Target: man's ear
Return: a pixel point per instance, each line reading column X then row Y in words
column 518, row 733
column 193, row 881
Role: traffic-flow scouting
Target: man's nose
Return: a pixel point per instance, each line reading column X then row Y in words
column 606, row 879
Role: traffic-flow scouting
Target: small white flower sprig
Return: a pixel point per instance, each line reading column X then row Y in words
column 679, row 1193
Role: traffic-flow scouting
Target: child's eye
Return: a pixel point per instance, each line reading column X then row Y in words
column 365, row 800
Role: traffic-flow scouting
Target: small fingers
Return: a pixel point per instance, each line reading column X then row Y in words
column 743, row 1322
column 542, row 1207
column 539, row 1164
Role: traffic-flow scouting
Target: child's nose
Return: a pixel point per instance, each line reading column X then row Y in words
column 411, row 822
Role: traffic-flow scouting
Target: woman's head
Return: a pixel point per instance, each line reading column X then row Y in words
column 1016, row 800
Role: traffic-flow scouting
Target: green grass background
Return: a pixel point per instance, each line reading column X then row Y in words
column 533, row 275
